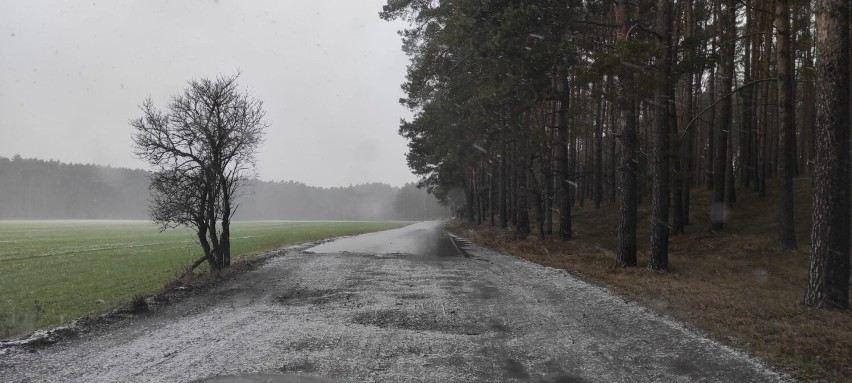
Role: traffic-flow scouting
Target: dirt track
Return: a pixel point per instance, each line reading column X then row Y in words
column 401, row 305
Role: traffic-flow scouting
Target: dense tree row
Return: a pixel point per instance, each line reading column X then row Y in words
column 527, row 108
column 37, row 189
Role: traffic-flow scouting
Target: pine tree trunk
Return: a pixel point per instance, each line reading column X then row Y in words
column 613, row 158
column 754, row 101
column 828, row 278
column 573, row 190
column 523, row 224
column 470, row 203
column 598, row 194
column 491, row 189
column 536, row 196
column 746, row 135
column 660, row 200
column 787, row 124
column 730, row 181
column 711, row 128
column 547, row 177
column 627, row 206
column 562, row 160
column 687, row 144
column 720, row 160
column 513, row 187
column 763, row 146
column 504, row 208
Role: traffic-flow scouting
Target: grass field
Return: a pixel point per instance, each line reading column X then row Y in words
column 52, row 272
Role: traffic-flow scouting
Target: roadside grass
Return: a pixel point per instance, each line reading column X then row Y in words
column 737, row 286
column 53, row 272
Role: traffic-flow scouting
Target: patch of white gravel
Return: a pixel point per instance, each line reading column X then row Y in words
column 426, row 315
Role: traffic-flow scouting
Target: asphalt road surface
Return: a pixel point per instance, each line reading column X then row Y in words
column 408, row 304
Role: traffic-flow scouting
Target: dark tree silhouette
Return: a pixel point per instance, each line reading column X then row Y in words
column 659, row 259
column 203, row 148
column 787, row 125
column 628, row 188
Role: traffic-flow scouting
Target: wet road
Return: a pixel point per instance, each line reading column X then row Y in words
column 408, row 304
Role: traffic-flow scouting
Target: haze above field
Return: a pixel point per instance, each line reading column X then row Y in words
column 36, row 189
column 72, row 75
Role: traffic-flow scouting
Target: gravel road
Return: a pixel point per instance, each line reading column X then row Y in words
column 408, row 304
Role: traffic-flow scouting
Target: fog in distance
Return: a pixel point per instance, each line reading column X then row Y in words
column 72, row 74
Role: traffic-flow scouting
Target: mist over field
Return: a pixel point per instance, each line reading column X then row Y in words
column 37, row 189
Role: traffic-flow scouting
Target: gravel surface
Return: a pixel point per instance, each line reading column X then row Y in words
column 407, row 304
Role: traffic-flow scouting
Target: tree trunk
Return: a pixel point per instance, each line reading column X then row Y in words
column 808, row 115
column 524, row 160
column 470, row 197
column 660, row 200
column 547, row 176
column 491, row 189
column 201, row 232
column 225, row 236
column 627, row 207
column 730, row 179
column 513, row 186
column 212, row 234
column 598, row 194
column 691, row 162
column 573, row 190
column 504, row 208
column 746, row 136
column 787, row 124
column 828, row 278
column 711, row 128
column 536, row 195
column 763, row 145
column 562, row 159
column 613, row 160
column 720, row 160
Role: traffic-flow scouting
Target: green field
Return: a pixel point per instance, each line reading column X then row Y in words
column 52, row 272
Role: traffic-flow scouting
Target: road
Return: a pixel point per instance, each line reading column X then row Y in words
column 407, row 304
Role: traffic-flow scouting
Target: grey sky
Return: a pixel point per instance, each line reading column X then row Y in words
column 72, row 74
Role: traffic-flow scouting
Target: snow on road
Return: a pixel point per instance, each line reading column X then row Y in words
column 400, row 305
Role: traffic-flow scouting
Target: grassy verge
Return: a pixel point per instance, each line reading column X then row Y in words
column 737, row 286
column 52, row 272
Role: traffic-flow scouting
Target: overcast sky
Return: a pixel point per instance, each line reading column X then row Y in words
column 73, row 73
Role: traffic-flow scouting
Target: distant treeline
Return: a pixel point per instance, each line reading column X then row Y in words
column 38, row 189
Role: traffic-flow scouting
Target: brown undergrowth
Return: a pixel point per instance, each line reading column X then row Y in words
column 737, row 286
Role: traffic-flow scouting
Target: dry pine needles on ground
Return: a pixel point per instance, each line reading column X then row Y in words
column 737, row 286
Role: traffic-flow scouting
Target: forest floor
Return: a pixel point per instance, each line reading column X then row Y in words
column 738, row 286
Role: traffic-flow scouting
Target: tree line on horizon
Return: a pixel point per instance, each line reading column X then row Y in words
column 524, row 109
column 40, row 189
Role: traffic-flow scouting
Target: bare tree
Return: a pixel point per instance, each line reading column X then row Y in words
column 203, row 149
